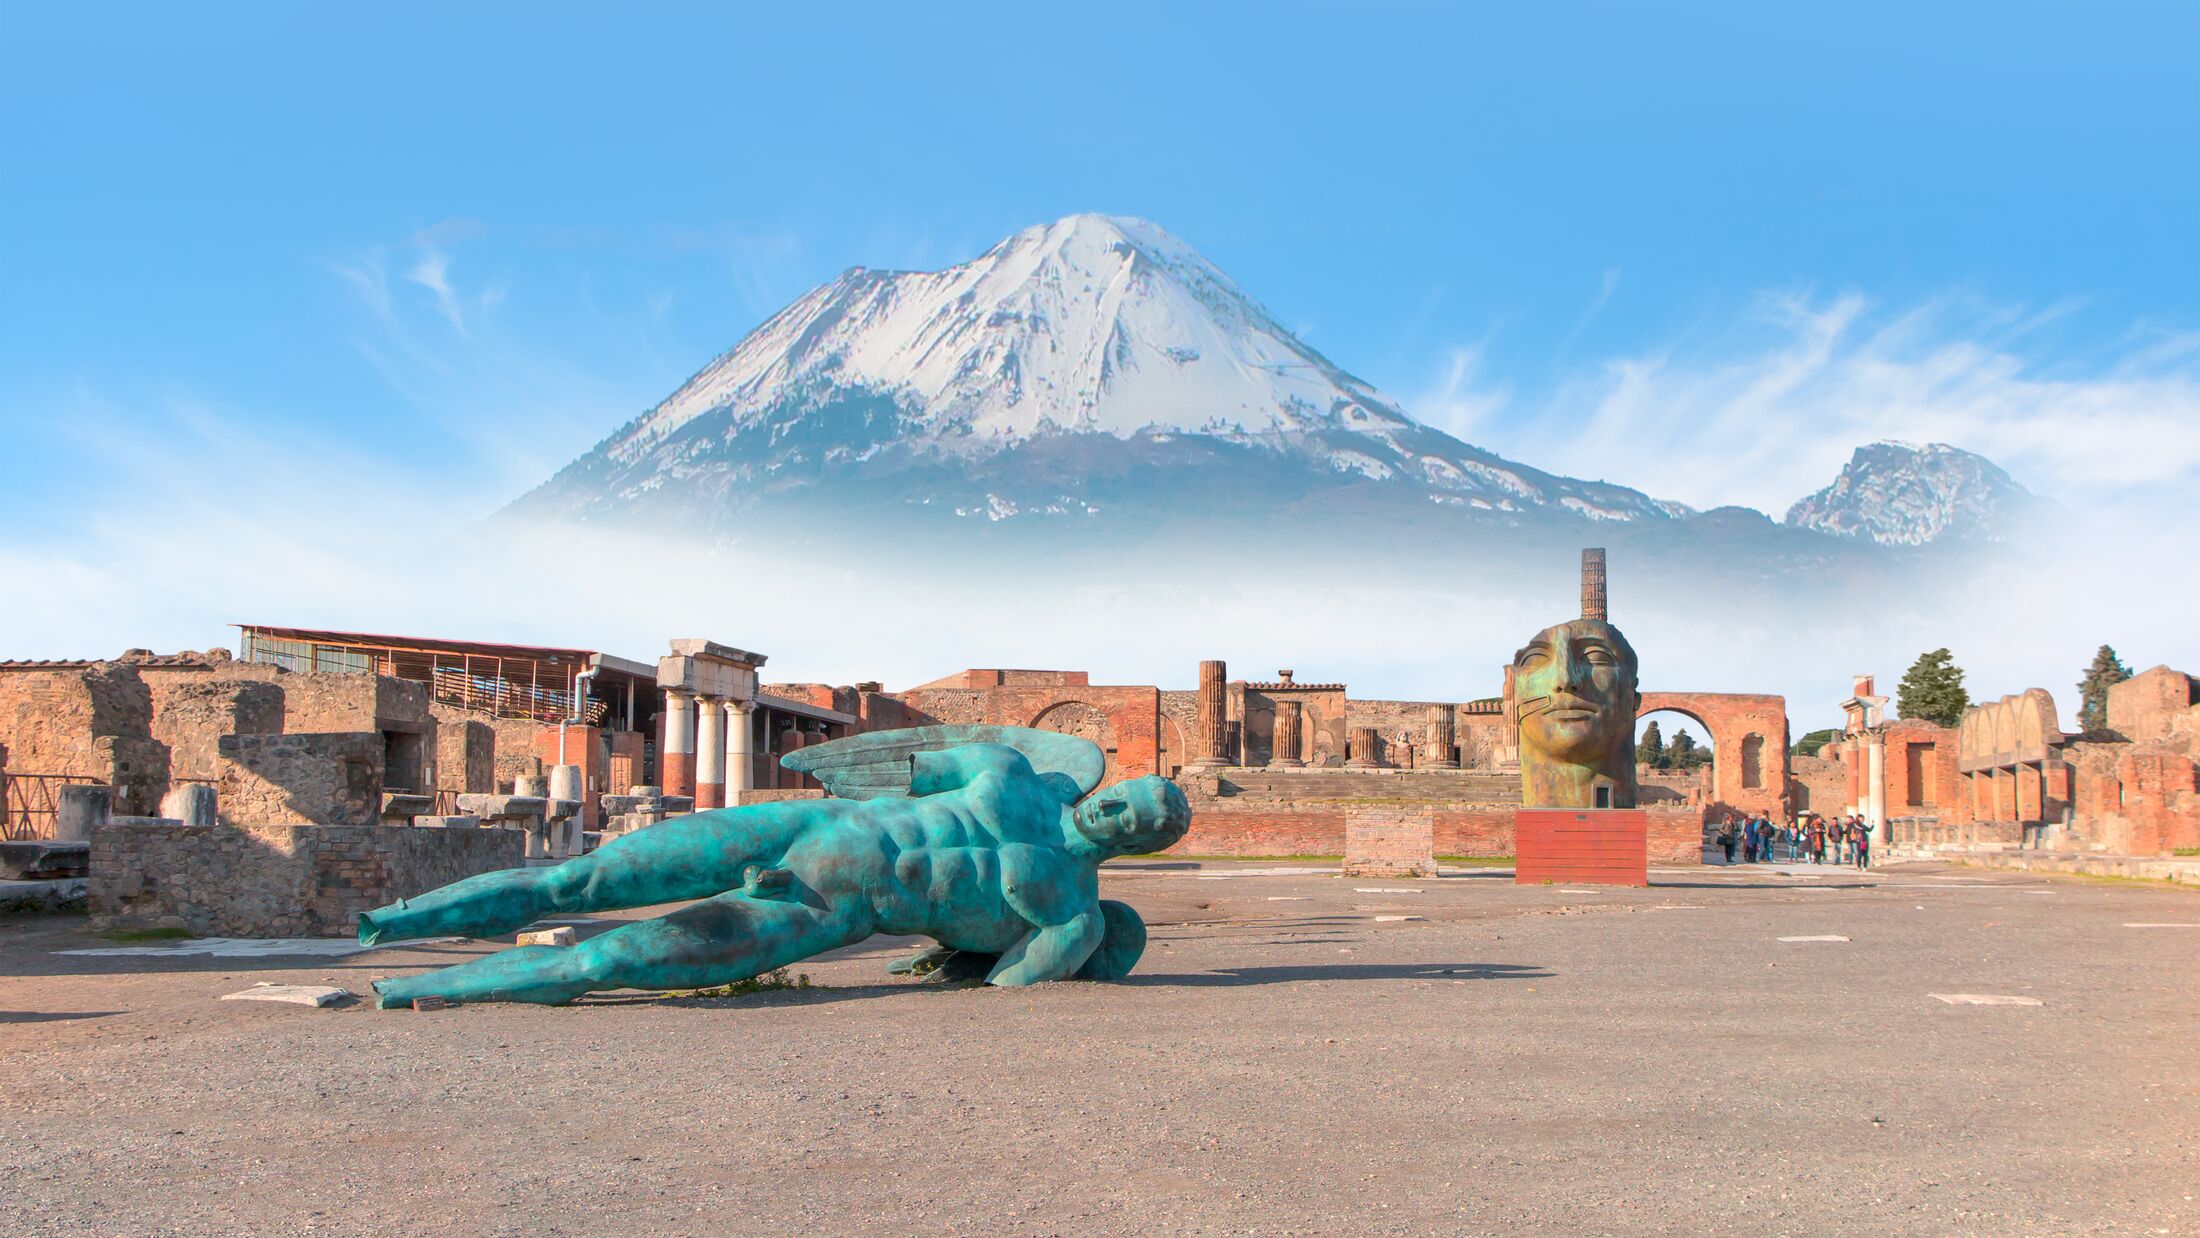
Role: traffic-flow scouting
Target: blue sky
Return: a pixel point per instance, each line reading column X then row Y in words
column 453, row 246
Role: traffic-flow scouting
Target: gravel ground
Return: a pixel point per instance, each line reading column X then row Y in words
column 1517, row 1059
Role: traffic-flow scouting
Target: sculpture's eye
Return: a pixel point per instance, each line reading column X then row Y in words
column 1598, row 655
column 1534, row 657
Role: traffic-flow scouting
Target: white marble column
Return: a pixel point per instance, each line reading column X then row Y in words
column 740, row 750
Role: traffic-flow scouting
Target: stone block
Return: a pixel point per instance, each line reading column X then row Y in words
column 192, row 803
column 446, row 823
column 82, row 809
column 1390, row 844
column 39, row 860
column 560, row 936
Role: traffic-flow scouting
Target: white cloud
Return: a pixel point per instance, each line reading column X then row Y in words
column 1767, row 423
column 432, row 272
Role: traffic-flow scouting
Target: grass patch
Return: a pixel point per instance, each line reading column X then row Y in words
column 166, row 934
column 774, row 981
column 2185, row 851
column 1476, row 861
column 2106, row 879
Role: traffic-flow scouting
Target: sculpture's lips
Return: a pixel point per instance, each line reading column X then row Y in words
column 1570, row 712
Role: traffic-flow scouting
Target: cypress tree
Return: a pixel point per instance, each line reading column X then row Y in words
column 1932, row 689
column 2107, row 671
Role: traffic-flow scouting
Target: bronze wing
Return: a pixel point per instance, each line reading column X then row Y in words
column 876, row 764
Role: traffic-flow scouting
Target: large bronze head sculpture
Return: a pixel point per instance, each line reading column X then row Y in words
column 1575, row 698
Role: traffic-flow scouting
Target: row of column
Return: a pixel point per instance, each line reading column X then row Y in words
column 710, row 748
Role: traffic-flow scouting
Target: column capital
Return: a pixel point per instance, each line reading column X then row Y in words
column 679, row 696
column 736, row 705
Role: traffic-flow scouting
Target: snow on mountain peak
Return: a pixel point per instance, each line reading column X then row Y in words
column 1090, row 323
column 1905, row 494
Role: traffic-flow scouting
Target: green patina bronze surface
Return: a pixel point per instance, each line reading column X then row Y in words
column 1575, row 696
column 971, row 836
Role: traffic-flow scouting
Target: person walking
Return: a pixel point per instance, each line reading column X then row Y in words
column 1726, row 837
column 1817, row 840
column 1749, row 840
column 1862, row 837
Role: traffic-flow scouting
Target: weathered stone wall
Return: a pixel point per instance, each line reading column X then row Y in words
column 193, row 710
column 1269, row 812
column 90, row 721
column 279, row 881
column 1125, row 722
column 1817, row 784
column 300, row 779
column 2156, row 704
column 465, row 756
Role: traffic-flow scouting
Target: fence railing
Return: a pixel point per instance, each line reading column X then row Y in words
column 29, row 803
column 505, row 699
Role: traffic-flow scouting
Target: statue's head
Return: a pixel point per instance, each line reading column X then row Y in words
column 1135, row 817
column 1574, row 693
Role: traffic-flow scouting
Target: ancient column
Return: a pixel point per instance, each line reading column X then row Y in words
column 710, row 754
column 1443, row 732
column 1592, row 584
column 1875, row 789
column 678, row 763
column 1214, row 708
column 740, row 750
column 1363, row 747
column 1286, row 745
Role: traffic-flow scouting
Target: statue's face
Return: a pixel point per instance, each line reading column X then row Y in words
column 1574, row 688
column 1135, row 817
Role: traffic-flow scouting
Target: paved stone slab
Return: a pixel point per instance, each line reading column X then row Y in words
column 1819, row 937
column 560, row 936
column 1986, row 999
column 2163, row 924
column 249, row 947
column 316, row 995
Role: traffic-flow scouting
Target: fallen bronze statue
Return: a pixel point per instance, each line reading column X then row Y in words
column 986, row 839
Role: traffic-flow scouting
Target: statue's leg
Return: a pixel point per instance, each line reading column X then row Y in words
column 690, row 857
column 720, row 940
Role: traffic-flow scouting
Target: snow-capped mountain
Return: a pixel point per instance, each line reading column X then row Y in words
column 1900, row 494
column 1090, row 367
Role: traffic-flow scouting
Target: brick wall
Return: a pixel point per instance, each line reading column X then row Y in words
column 2153, row 704
column 1395, row 842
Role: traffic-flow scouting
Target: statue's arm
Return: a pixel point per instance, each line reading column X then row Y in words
column 1051, row 952
column 952, row 769
column 1066, row 922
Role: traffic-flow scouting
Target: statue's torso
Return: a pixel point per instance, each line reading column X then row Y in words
column 937, row 867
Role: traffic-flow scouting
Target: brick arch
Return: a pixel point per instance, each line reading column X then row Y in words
column 1084, row 720
column 1731, row 719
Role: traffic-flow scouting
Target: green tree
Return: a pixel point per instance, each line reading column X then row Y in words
column 1651, row 749
column 2107, row 671
column 1932, row 689
column 1682, row 753
column 1815, row 742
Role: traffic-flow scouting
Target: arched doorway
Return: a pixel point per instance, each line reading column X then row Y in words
column 1676, row 760
column 1748, row 737
column 1085, row 722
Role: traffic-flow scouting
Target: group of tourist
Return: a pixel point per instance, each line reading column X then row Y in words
column 1809, row 840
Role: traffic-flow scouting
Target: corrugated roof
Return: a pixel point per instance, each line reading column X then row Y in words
column 435, row 644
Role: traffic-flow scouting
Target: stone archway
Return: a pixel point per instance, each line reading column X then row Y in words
column 1740, row 725
column 1085, row 722
column 1171, row 750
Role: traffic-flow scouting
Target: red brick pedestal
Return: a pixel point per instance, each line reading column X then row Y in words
column 1581, row 846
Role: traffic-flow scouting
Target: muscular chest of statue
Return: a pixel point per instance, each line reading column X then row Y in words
column 948, row 863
